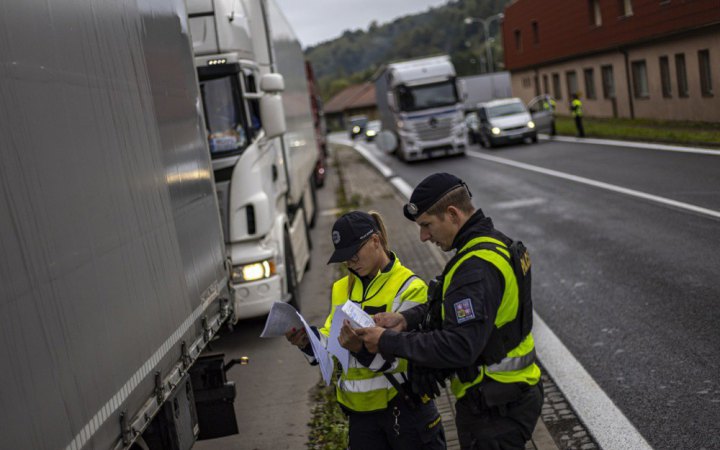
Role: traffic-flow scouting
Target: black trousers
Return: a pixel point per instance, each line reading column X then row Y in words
column 579, row 126
column 508, row 427
column 398, row 427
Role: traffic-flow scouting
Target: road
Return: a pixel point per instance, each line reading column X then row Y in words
column 626, row 256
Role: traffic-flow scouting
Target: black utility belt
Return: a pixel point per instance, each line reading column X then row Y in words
column 490, row 393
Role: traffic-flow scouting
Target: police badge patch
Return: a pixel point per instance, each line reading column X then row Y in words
column 464, row 310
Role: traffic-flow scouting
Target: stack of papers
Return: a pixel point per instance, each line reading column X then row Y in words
column 283, row 317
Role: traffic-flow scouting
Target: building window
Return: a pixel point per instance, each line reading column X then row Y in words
column 572, row 83
column 705, row 73
column 518, row 41
column 590, row 83
column 536, row 33
column 681, row 72
column 556, row 86
column 608, row 82
column 640, row 80
column 526, row 83
column 665, row 77
column 595, row 15
column 626, row 8
column 546, row 84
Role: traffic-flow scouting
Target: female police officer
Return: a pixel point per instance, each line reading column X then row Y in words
column 380, row 416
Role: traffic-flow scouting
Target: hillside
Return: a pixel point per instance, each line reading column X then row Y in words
column 357, row 54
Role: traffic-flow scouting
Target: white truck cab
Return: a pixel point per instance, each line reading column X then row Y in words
column 256, row 104
column 419, row 101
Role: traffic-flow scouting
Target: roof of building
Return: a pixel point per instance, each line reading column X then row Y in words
column 355, row 96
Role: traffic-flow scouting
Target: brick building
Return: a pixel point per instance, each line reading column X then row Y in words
column 657, row 59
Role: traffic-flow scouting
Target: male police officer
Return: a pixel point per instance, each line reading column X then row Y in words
column 476, row 325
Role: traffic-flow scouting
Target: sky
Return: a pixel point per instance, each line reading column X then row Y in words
column 315, row 21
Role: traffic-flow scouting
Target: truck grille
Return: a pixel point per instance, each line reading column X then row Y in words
column 441, row 130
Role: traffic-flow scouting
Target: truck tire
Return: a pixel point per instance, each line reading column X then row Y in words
column 313, row 197
column 293, row 289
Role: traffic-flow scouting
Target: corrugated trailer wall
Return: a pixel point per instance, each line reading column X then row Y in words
column 110, row 243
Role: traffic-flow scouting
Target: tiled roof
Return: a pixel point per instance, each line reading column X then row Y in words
column 355, row 96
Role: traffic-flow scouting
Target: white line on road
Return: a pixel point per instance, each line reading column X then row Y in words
column 606, row 422
column 402, row 186
column 600, row 184
column 522, row 203
column 644, row 145
column 382, row 168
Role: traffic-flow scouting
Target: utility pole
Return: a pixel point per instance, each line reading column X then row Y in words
column 486, row 35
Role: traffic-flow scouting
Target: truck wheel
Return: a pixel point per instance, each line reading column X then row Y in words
column 313, row 198
column 291, row 274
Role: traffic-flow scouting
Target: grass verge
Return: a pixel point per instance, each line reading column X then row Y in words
column 329, row 425
column 682, row 133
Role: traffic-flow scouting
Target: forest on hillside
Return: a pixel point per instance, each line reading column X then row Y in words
column 356, row 55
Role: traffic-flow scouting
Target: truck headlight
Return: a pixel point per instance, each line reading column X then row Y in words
column 400, row 124
column 531, row 124
column 495, row 130
column 254, row 271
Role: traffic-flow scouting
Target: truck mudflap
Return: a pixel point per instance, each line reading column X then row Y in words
column 214, row 396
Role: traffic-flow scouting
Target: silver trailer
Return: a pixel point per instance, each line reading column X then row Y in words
column 113, row 269
column 483, row 88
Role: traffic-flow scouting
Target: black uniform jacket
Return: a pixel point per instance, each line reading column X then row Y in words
column 471, row 303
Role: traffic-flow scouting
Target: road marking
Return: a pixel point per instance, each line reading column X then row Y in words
column 522, row 203
column 382, row 168
column 402, row 186
column 600, row 184
column 606, row 422
column 644, row 145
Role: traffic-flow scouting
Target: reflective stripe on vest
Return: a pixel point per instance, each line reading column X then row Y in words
column 362, row 389
column 519, row 364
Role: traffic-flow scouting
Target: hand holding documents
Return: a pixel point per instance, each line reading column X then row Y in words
column 358, row 317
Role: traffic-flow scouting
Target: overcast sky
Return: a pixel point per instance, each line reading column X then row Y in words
column 315, row 21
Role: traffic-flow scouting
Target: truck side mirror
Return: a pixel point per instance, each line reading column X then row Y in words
column 272, row 113
column 386, row 141
column 462, row 90
column 272, row 83
column 391, row 101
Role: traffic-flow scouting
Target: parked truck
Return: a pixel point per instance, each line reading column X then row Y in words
column 420, row 103
column 251, row 70
column 113, row 271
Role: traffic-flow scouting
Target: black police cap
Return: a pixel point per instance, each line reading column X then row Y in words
column 349, row 233
column 429, row 191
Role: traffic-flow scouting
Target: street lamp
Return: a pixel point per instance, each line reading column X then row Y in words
column 486, row 33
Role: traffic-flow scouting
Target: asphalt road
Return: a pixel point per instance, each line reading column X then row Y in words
column 628, row 284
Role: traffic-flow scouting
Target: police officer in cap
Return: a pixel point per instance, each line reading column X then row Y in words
column 382, row 413
column 476, row 327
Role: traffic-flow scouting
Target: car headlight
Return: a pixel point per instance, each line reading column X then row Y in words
column 254, row 271
column 495, row 130
column 531, row 124
column 356, row 129
column 371, row 132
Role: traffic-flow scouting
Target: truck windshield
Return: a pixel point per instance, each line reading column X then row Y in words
column 414, row 98
column 506, row 110
column 224, row 116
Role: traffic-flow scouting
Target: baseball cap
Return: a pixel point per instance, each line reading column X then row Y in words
column 429, row 191
column 349, row 233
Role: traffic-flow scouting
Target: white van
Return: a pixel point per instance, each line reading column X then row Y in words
column 505, row 121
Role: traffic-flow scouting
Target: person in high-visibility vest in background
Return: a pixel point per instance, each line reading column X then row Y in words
column 576, row 108
column 549, row 104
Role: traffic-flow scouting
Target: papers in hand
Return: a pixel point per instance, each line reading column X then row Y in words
column 358, row 317
column 282, row 318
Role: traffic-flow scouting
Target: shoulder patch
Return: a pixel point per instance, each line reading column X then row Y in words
column 464, row 310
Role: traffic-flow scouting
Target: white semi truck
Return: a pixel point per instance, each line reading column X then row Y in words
column 421, row 105
column 247, row 59
column 113, row 273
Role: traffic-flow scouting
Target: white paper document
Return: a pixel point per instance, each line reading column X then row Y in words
column 357, row 316
column 282, row 318
column 334, row 347
column 322, row 356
